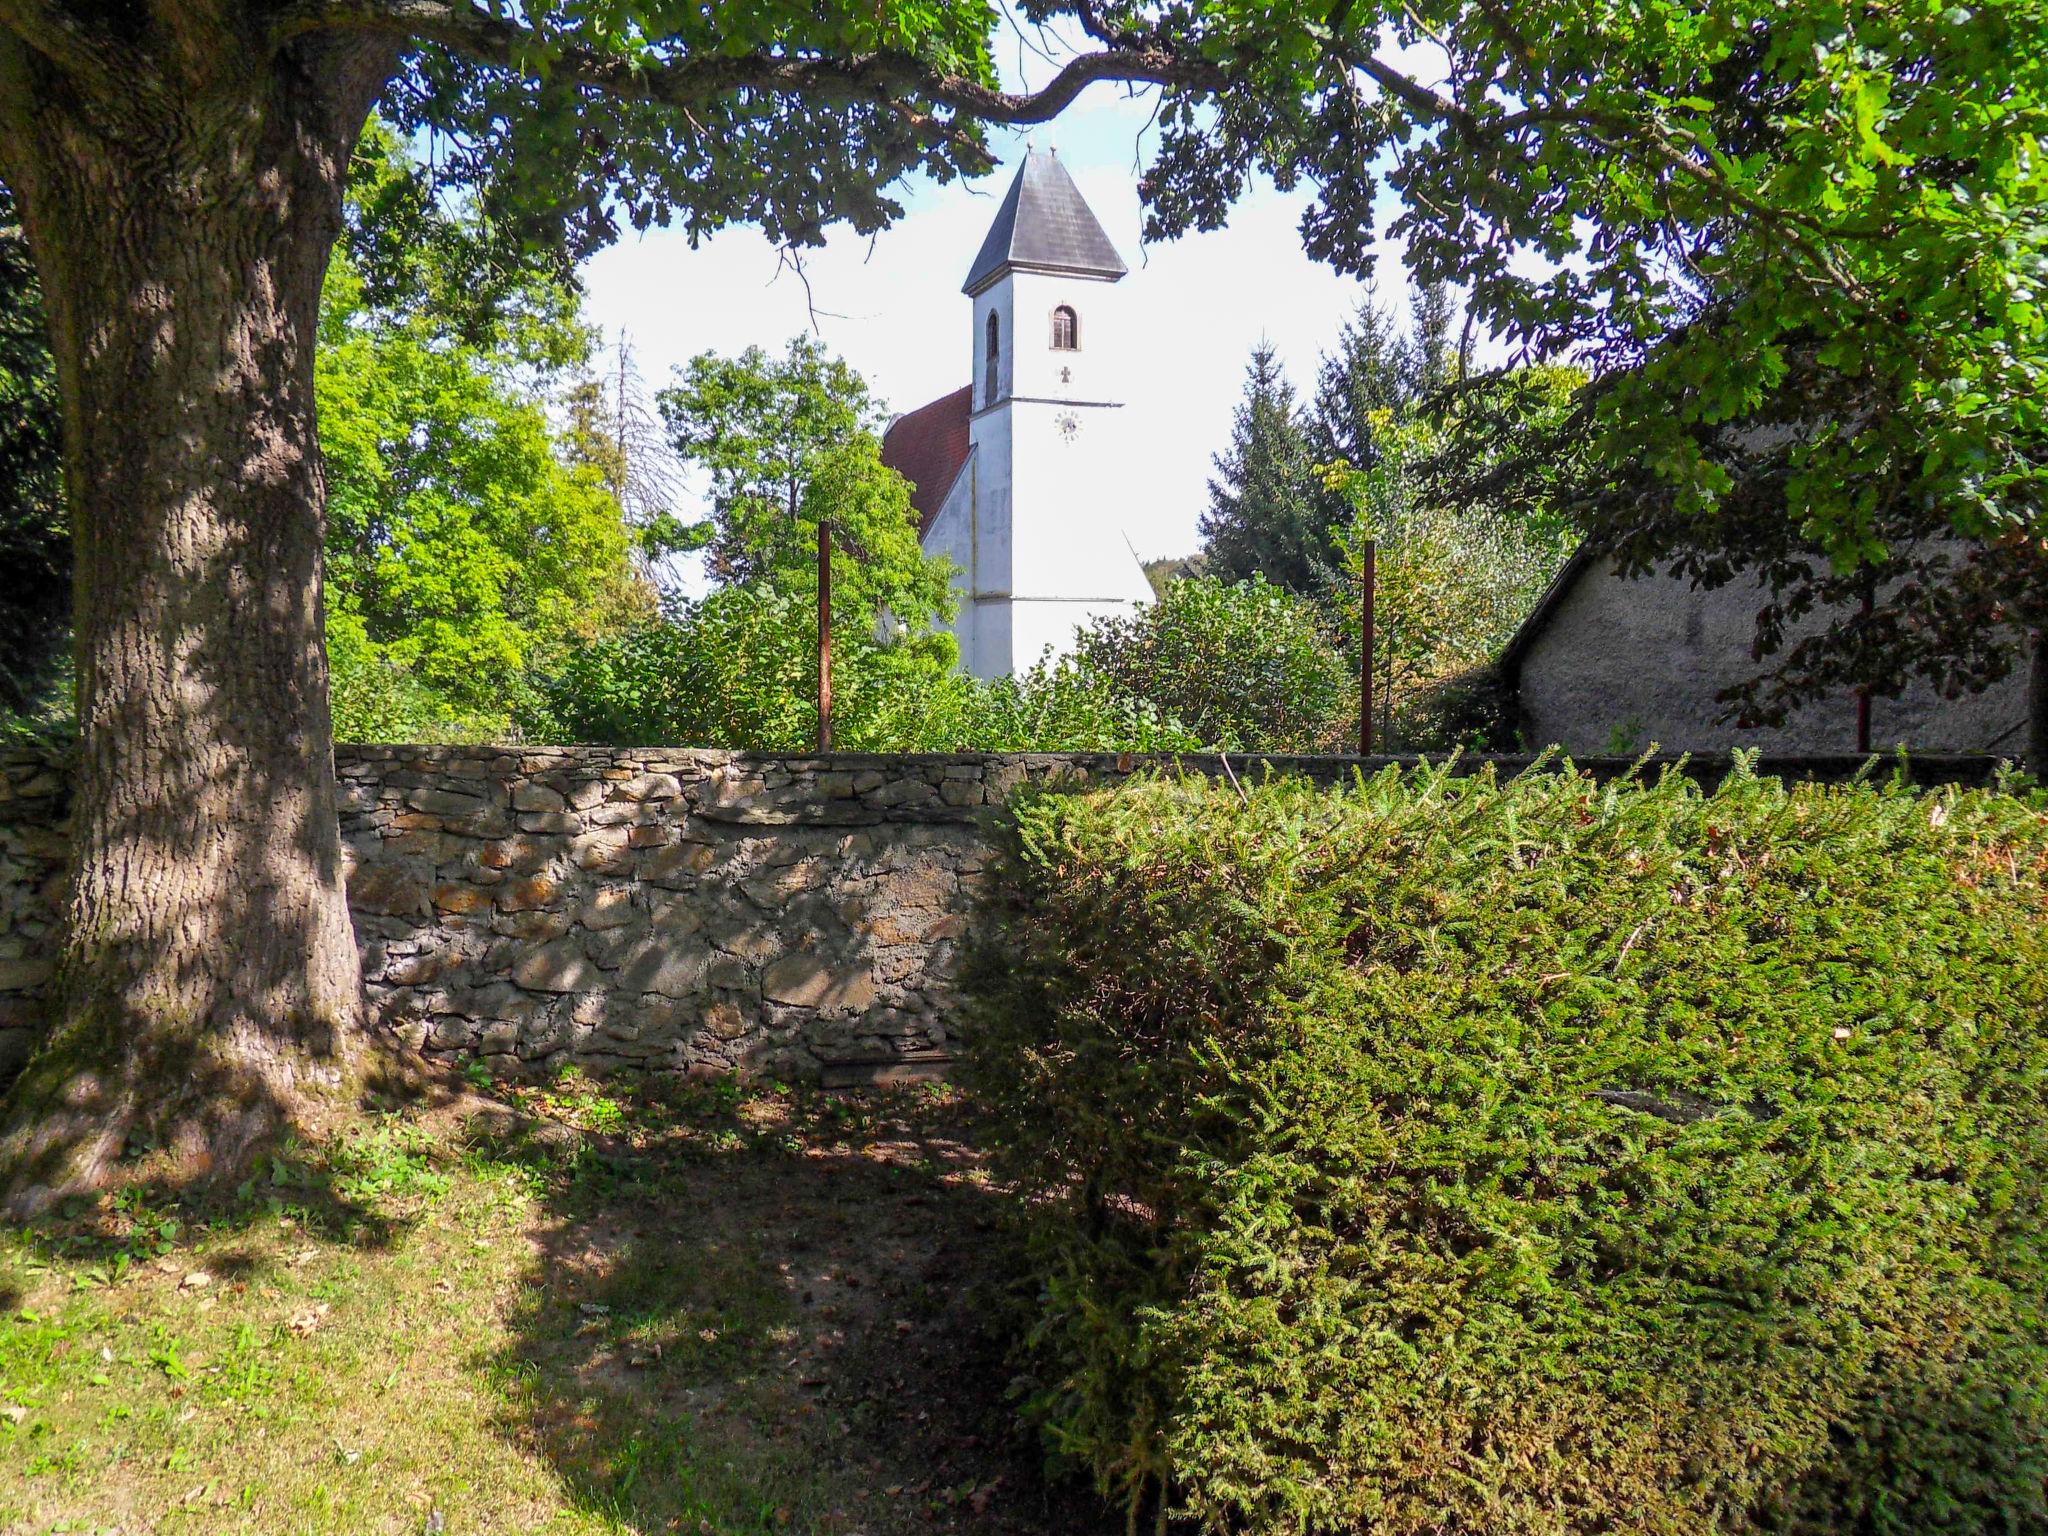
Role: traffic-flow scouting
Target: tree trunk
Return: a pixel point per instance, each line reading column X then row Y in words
column 181, row 213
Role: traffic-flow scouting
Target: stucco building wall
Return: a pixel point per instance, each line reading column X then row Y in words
column 1616, row 666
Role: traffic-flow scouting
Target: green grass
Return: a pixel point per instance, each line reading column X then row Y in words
column 580, row 1308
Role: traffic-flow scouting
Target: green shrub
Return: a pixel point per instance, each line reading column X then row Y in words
column 1244, row 666
column 738, row 668
column 1450, row 1156
column 376, row 698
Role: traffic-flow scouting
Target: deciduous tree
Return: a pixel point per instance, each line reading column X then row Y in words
column 790, row 442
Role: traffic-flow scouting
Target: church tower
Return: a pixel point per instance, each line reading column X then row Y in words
column 1028, row 512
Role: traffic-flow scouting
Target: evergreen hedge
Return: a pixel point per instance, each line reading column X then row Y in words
column 1451, row 1156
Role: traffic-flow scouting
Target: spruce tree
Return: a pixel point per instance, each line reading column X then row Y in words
column 1433, row 357
column 1368, row 370
column 1267, row 512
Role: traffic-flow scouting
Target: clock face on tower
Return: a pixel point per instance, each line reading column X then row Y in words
column 1068, row 425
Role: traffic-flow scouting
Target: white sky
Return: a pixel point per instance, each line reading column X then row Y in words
column 1197, row 305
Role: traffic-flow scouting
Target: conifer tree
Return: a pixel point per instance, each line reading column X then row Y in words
column 1368, row 370
column 1267, row 514
column 1433, row 357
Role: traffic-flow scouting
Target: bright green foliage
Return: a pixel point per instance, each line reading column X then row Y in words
column 1243, row 666
column 1061, row 707
column 739, row 669
column 376, row 699
column 455, row 532
column 1532, row 1158
column 1452, row 579
column 463, row 546
column 791, row 442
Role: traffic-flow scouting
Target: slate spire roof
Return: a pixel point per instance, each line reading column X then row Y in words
column 1044, row 225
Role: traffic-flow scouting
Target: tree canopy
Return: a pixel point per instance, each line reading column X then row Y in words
column 791, row 442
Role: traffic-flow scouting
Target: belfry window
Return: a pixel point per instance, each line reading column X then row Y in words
column 995, row 353
column 1066, row 329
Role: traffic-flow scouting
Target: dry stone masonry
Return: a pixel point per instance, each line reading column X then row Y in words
column 698, row 911
column 694, row 911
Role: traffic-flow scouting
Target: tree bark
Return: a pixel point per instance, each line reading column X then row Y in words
column 181, row 218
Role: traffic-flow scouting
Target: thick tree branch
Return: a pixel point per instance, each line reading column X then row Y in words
column 56, row 32
column 685, row 80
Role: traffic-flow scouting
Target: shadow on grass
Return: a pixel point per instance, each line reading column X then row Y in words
column 353, row 1188
column 769, row 1314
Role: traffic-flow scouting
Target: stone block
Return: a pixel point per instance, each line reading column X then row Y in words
column 460, row 896
column 648, row 786
column 526, row 894
column 901, row 792
column 723, row 1020
column 21, row 975
column 679, row 863
column 671, row 967
column 392, row 889
column 559, row 966
column 534, row 927
column 603, row 853
column 445, row 802
column 416, row 970
column 529, row 796
column 803, row 979
column 553, row 823
column 610, row 947
column 490, row 821
column 610, row 906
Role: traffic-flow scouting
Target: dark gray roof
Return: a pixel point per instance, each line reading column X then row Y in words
column 1044, row 225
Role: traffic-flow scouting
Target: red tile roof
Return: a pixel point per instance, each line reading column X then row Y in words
column 927, row 448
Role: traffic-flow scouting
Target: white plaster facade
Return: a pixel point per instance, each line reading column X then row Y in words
column 1031, row 521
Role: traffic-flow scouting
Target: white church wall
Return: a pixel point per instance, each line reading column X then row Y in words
column 1037, row 528
column 953, row 536
column 1069, row 543
column 1091, row 371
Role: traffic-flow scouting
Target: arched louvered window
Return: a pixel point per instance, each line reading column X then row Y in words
column 995, row 354
column 1066, row 329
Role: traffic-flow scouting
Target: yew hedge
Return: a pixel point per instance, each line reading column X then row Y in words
column 1451, row 1156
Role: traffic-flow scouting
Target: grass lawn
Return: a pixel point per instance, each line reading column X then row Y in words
column 579, row 1308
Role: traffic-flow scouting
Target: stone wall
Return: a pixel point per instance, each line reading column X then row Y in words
column 687, row 911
